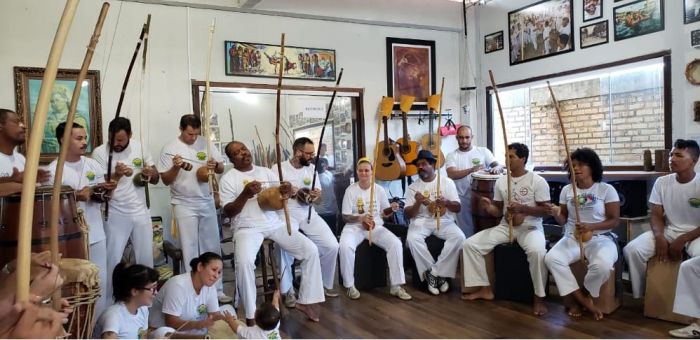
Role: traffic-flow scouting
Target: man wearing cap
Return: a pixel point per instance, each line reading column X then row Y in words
column 422, row 197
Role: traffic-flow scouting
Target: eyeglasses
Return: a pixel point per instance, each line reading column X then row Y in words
column 153, row 289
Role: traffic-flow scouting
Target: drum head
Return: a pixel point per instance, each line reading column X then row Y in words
column 485, row 176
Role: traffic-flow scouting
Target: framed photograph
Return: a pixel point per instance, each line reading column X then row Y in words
column 410, row 66
column 88, row 114
column 493, row 42
column 638, row 18
column 540, row 30
column 261, row 60
column 692, row 11
column 592, row 9
column 594, row 34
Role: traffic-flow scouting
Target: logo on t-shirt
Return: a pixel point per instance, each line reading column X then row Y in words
column 307, row 181
column 694, row 202
column 202, row 309
column 137, row 162
column 476, row 161
column 201, row 155
column 585, row 199
column 273, row 335
column 360, row 205
column 141, row 334
column 90, row 175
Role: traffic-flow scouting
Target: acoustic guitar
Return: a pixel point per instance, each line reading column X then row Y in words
column 428, row 141
column 389, row 165
column 408, row 148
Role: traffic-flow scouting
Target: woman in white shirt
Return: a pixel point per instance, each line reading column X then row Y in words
column 599, row 210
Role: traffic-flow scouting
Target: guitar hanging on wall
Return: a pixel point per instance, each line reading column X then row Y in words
column 428, row 141
column 408, row 148
column 389, row 165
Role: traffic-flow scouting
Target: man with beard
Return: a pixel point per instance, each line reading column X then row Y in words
column 461, row 164
column 675, row 212
column 421, row 200
column 13, row 134
column 86, row 177
column 529, row 202
column 299, row 171
column 128, row 214
column 251, row 224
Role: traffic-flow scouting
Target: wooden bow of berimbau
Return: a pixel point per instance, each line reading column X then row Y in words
column 509, row 217
column 278, row 147
column 139, row 179
column 435, row 105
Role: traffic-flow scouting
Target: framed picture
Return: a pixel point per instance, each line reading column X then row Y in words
column 540, row 30
column 493, row 42
column 594, row 34
column 592, row 9
column 410, row 66
column 638, row 18
column 261, row 60
column 88, row 113
column 692, row 11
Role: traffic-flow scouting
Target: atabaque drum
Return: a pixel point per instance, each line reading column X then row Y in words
column 482, row 186
column 71, row 237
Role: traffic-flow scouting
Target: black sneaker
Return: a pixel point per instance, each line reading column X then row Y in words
column 432, row 281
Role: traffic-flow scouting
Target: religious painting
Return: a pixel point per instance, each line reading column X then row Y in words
column 540, row 30
column 493, row 42
column 262, row 60
column 594, row 34
column 410, row 70
column 638, row 18
column 592, row 9
column 691, row 12
column 88, row 112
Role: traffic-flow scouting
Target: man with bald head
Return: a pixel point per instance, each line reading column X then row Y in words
column 461, row 164
column 13, row 133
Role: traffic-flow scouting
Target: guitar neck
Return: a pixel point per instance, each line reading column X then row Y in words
column 386, row 133
column 406, row 138
column 431, row 142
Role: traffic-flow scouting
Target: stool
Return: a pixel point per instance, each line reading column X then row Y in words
column 627, row 223
column 370, row 267
column 174, row 253
column 610, row 299
column 488, row 259
column 512, row 273
column 435, row 245
column 266, row 254
column 661, row 291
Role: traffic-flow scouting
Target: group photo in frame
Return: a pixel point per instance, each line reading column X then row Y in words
column 691, row 11
column 540, row 30
column 594, row 34
column 493, row 42
column 638, row 18
column 261, row 60
column 592, row 10
column 88, row 113
column 410, row 70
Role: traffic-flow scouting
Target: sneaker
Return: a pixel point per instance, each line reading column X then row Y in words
column 353, row 293
column 330, row 292
column 691, row 331
column 400, row 293
column 432, row 282
column 224, row 299
column 290, row 299
column 442, row 284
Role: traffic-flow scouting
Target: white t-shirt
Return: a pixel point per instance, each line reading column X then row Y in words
column 231, row 186
column 186, row 189
column 591, row 204
column 127, row 199
column 7, row 162
column 255, row 332
column 464, row 160
column 327, row 204
column 527, row 189
column 356, row 202
column 77, row 175
column 119, row 320
column 300, row 178
column 178, row 298
column 681, row 202
column 449, row 192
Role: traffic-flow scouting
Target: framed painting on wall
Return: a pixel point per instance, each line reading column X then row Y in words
column 410, row 65
column 691, row 12
column 261, row 60
column 540, row 30
column 493, row 42
column 594, row 34
column 88, row 113
column 592, row 9
column 638, row 18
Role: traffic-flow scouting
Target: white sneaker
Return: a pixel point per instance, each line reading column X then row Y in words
column 443, row 286
column 353, row 293
column 290, row 299
column 691, row 331
column 431, row 280
column 400, row 293
column 224, row 299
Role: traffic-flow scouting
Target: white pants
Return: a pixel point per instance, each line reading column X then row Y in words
column 198, row 230
column 641, row 249
column 320, row 234
column 352, row 236
column 601, row 253
column 687, row 300
column 465, row 221
column 530, row 238
column 247, row 242
column 446, row 264
column 98, row 256
column 119, row 228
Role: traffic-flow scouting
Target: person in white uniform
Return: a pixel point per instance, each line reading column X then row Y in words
column 299, row 171
column 251, row 225
column 461, row 164
column 687, row 301
column 675, row 212
column 193, row 204
column 129, row 216
column 86, row 177
column 13, row 133
column 327, row 205
column 528, row 204
column 359, row 220
column 421, row 194
column 267, row 321
column 599, row 211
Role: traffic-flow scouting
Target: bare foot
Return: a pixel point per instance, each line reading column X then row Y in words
column 572, row 307
column 538, row 307
column 587, row 302
column 311, row 311
column 485, row 293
